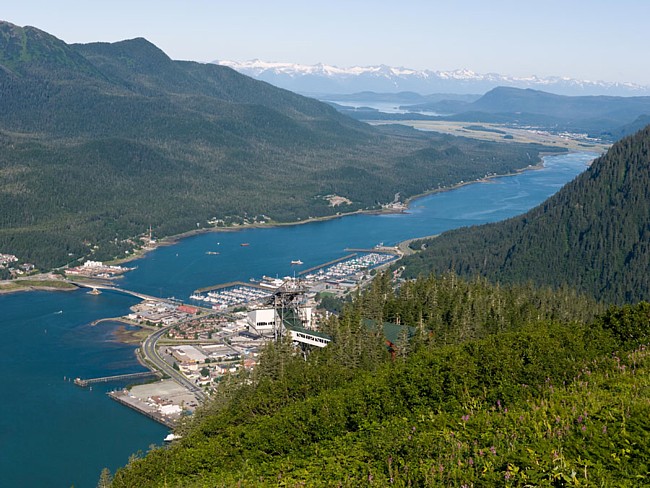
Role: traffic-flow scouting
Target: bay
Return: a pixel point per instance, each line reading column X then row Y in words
column 56, row 434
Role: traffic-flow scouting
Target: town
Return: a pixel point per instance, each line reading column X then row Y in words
column 194, row 346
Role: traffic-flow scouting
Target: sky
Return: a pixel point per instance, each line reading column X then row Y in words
column 584, row 39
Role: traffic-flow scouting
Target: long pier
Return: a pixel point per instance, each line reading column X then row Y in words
column 129, row 376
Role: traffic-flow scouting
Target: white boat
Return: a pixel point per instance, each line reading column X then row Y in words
column 296, row 261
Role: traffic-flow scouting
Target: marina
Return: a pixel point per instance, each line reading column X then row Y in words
column 325, row 265
column 349, row 267
column 235, row 294
column 232, row 295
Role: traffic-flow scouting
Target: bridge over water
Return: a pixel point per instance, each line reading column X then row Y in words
column 103, row 286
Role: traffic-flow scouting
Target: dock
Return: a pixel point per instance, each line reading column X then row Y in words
column 104, row 379
column 125, row 400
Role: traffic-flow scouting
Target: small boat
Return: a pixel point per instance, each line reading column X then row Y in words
column 244, row 244
column 296, row 261
column 212, row 252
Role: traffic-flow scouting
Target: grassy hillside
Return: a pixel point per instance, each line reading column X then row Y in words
column 545, row 390
column 100, row 141
column 593, row 235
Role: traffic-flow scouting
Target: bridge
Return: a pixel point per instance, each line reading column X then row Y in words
column 104, row 379
column 103, row 286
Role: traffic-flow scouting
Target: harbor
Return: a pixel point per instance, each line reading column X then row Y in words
column 337, row 274
column 102, row 432
column 232, row 294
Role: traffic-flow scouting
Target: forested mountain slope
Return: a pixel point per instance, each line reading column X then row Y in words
column 593, row 235
column 100, row 141
column 501, row 386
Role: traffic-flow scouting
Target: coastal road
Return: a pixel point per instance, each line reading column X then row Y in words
column 150, row 353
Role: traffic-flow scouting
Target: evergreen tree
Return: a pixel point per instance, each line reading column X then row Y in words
column 105, row 479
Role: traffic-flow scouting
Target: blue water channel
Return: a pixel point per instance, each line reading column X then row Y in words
column 53, row 433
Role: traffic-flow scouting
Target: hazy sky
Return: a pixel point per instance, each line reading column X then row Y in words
column 586, row 39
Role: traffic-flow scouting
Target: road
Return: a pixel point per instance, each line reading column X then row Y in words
column 150, row 353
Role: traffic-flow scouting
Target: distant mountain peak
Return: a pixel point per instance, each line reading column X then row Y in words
column 28, row 49
column 138, row 50
column 323, row 78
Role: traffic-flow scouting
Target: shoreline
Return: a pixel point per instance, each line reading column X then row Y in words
column 174, row 239
column 14, row 286
column 171, row 240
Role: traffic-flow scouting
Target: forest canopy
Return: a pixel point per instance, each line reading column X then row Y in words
column 500, row 386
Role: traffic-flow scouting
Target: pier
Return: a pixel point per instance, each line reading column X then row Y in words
column 120, row 397
column 104, row 379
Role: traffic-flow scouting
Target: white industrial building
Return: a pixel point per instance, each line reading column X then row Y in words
column 263, row 319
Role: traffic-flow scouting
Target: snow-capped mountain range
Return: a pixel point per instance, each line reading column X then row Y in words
column 326, row 79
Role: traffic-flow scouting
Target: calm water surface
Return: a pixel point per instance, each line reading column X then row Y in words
column 54, row 434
